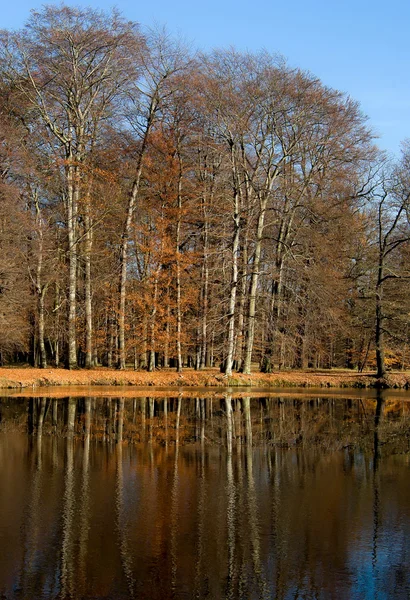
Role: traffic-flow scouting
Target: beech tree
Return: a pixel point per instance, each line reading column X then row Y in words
column 70, row 65
column 16, row 307
column 391, row 202
column 163, row 60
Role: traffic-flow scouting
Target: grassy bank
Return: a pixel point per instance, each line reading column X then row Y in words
column 34, row 378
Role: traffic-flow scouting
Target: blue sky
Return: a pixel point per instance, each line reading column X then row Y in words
column 360, row 47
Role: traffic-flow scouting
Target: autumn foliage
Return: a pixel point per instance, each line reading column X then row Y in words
column 163, row 209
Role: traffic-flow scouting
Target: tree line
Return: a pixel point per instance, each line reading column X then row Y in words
column 165, row 208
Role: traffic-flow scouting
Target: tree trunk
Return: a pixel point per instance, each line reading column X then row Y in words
column 167, row 330
column 43, row 354
column 240, row 338
column 88, row 298
column 72, row 194
column 254, row 285
column 205, row 300
column 234, row 277
column 40, row 288
column 380, row 361
column 152, row 341
column 57, row 325
column 205, row 283
column 110, row 337
column 178, row 271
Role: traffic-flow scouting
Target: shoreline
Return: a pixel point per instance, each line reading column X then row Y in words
column 30, row 377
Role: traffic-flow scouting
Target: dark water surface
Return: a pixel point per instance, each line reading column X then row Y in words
column 291, row 497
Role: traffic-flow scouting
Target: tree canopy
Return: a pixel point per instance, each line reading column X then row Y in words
column 164, row 208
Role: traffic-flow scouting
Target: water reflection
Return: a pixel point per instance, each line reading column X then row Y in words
column 231, row 497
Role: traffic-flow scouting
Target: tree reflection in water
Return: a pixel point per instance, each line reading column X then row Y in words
column 231, row 497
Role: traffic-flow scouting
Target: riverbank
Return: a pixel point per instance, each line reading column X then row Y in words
column 11, row 378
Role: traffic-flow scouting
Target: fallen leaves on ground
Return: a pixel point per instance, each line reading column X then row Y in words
column 11, row 377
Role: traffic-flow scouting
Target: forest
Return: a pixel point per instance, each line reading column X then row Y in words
column 165, row 208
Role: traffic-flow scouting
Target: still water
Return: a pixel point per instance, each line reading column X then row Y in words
column 282, row 497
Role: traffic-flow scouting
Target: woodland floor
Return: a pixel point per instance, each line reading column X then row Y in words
column 27, row 377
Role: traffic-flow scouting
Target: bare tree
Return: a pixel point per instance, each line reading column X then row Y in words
column 391, row 206
column 70, row 66
column 162, row 62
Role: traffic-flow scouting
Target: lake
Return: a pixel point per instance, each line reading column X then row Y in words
column 203, row 494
